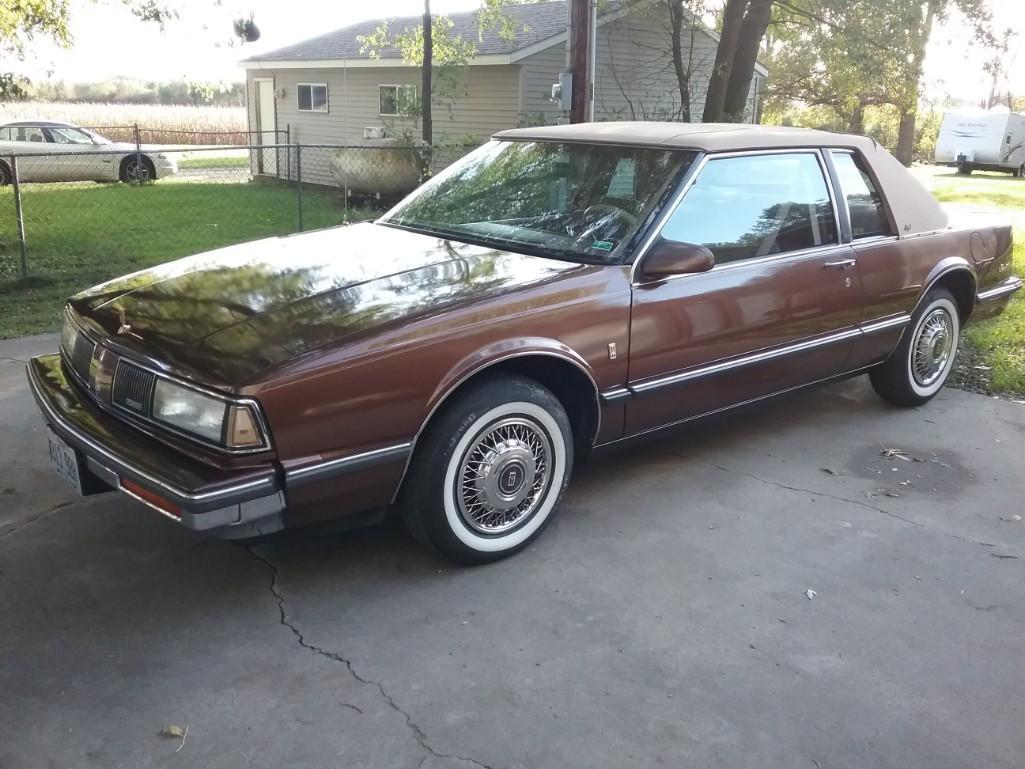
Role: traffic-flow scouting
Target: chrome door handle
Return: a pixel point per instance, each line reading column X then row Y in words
column 843, row 264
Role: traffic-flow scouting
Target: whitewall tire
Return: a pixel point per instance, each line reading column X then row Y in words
column 919, row 367
column 490, row 470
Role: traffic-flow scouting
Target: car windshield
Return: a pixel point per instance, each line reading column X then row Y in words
column 63, row 135
column 570, row 201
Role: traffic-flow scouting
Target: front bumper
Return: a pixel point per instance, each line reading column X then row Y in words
column 232, row 504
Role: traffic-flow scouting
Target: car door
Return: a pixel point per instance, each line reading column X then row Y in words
column 76, row 156
column 891, row 269
column 779, row 309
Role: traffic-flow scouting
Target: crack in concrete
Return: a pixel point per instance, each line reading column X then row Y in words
column 14, row 360
column 14, row 528
column 418, row 733
column 802, row 490
column 827, row 495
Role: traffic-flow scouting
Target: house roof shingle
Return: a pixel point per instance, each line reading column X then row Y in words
column 533, row 23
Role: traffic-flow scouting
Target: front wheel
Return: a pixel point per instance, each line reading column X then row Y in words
column 490, row 471
column 920, row 365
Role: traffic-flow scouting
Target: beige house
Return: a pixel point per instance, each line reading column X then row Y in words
column 326, row 90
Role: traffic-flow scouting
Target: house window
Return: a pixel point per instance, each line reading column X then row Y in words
column 398, row 100
column 311, row 97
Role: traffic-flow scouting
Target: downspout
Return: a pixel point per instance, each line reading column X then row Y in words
column 593, row 53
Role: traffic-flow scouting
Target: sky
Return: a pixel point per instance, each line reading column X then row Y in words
column 110, row 42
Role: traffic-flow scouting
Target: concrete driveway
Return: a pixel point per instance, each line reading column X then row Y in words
column 662, row 620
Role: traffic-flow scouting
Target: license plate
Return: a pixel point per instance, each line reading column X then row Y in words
column 64, row 460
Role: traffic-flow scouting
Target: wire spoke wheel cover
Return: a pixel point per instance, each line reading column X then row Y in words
column 932, row 348
column 504, row 475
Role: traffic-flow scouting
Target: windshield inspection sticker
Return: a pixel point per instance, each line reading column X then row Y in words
column 603, row 245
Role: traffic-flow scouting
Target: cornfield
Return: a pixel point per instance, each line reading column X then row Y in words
column 158, row 123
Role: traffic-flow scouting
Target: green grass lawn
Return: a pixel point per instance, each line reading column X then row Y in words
column 1000, row 342
column 82, row 234
column 213, row 160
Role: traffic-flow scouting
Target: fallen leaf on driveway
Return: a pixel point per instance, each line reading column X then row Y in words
column 1012, row 519
column 810, row 594
column 173, row 730
column 895, row 454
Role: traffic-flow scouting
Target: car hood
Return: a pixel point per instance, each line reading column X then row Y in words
column 224, row 316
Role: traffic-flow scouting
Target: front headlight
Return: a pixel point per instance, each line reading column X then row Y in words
column 189, row 410
column 232, row 425
column 69, row 335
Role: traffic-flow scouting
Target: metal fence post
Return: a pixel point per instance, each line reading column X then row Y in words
column 299, row 182
column 19, row 216
column 138, row 155
column 288, row 154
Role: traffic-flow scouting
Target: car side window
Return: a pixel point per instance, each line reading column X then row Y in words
column 6, row 134
column 756, row 205
column 29, row 134
column 864, row 203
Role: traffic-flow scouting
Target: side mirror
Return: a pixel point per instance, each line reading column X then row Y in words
column 669, row 257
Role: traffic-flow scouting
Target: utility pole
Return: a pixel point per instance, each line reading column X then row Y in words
column 426, row 86
column 579, row 58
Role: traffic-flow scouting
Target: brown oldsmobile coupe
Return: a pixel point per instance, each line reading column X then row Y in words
column 557, row 290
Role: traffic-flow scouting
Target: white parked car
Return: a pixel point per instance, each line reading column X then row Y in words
column 73, row 154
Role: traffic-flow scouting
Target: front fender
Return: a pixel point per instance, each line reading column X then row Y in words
column 500, row 351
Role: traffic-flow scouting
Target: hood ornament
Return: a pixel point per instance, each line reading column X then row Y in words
column 125, row 328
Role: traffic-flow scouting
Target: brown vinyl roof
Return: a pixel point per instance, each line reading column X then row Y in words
column 710, row 137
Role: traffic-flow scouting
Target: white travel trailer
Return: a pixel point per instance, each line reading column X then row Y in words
column 985, row 141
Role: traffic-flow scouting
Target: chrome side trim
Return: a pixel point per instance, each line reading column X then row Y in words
column 616, row 394
column 206, row 500
column 321, row 471
column 732, row 406
column 1006, row 288
column 875, row 326
column 745, row 360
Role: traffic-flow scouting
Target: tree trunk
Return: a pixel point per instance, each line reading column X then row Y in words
column 426, row 88
column 752, row 30
column 909, row 109
column 856, row 123
column 906, row 137
column 733, row 17
column 682, row 74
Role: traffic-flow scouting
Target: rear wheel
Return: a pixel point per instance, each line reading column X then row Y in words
column 490, row 471
column 920, row 365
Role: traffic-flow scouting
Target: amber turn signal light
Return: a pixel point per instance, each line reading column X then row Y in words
column 242, row 430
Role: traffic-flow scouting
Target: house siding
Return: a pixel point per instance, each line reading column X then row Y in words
column 486, row 101
column 634, row 75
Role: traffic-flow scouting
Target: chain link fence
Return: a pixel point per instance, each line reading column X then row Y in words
column 72, row 217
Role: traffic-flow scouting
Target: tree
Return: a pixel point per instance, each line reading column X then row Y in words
column 21, row 21
column 438, row 53
column 918, row 18
column 835, row 55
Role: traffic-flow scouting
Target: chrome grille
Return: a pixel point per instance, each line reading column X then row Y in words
column 82, row 356
column 133, row 388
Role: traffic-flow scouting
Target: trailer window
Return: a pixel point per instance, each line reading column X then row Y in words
column 865, row 204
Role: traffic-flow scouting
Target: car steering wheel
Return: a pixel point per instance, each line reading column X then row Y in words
column 602, row 208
